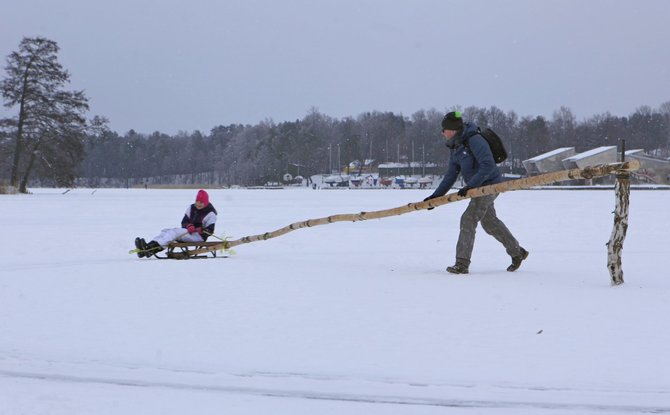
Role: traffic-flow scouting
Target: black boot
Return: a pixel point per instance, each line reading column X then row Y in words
column 517, row 260
column 152, row 248
column 458, row 268
column 141, row 246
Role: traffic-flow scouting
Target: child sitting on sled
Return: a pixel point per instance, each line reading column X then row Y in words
column 196, row 225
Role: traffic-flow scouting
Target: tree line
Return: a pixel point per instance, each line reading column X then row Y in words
column 256, row 154
column 50, row 141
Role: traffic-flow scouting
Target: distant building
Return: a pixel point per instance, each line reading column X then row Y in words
column 652, row 170
column 548, row 162
column 600, row 155
column 413, row 168
column 358, row 167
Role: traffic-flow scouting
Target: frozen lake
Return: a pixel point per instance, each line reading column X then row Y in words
column 337, row 319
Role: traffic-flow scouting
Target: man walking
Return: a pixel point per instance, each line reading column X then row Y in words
column 470, row 155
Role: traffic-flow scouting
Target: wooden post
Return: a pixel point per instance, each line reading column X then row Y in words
column 615, row 244
column 585, row 173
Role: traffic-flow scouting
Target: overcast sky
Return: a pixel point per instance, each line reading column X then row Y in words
column 167, row 65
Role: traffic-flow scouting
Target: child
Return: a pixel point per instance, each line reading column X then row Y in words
column 197, row 224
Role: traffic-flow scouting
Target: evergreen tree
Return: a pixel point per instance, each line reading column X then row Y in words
column 50, row 127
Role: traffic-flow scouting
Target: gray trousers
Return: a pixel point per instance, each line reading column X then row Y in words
column 481, row 209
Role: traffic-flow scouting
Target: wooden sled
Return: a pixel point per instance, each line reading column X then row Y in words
column 190, row 250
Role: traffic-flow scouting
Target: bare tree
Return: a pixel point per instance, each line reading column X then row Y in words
column 562, row 128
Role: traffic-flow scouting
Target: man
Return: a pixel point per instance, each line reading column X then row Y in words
column 196, row 225
column 470, row 155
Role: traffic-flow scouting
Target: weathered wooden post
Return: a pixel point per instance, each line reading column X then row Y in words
column 615, row 244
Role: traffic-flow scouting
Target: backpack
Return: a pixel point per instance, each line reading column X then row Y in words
column 494, row 142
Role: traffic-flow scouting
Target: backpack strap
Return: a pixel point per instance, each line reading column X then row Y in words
column 466, row 138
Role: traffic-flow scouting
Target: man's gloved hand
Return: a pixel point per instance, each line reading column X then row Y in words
column 427, row 199
column 191, row 228
column 463, row 191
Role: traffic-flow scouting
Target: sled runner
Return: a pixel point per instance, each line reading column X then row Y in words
column 182, row 250
column 190, row 250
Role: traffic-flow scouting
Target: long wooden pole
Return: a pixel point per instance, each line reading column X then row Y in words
column 559, row 176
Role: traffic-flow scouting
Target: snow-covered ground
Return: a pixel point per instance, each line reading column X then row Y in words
column 346, row 318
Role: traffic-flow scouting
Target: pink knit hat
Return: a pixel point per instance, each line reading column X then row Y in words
column 202, row 197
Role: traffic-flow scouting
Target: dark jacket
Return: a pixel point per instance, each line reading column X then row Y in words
column 470, row 156
column 204, row 218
